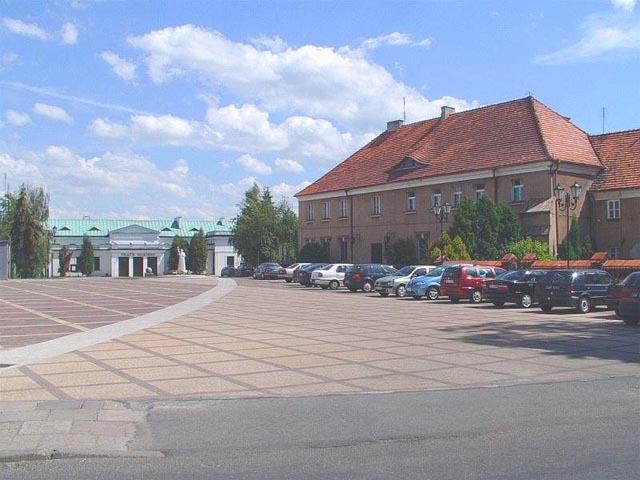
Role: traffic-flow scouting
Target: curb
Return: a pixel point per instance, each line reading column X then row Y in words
column 31, row 456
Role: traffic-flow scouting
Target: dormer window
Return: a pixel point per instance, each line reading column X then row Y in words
column 94, row 229
column 65, row 229
column 407, row 162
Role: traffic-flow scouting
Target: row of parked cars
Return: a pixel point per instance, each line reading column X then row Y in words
column 582, row 290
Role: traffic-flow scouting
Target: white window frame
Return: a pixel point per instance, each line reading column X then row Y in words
column 343, row 206
column 456, row 196
column 436, row 198
column 376, row 205
column 309, row 212
column 517, row 190
column 410, row 203
column 326, row 211
column 479, row 191
column 613, row 209
column 614, row 253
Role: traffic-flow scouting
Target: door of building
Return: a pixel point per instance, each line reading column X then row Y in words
column 123, row 266
column 152, row 263
column 376, row 253
column 138, row 267
column 231, row 261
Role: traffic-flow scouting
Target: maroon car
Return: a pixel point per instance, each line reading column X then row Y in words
column 466, row 282
column 624, row 289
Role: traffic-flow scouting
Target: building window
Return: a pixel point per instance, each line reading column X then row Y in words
column 517, row 190
column 344, row 208
column 613, row 209
column 456, row 196
column 96, row 263
column 479, row 191
column 436, row 198
column 344, row 249
column 309, row 212
column 375, row 205
column 325, row 211
column 411, row 202
column 614, row 253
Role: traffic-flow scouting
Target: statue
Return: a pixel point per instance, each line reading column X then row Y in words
column 182, row 266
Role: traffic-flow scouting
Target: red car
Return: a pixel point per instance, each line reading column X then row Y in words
column 466, row 282
column 625, row 289
column 629, row 309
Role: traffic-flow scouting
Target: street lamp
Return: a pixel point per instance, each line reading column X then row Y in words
column 441, row 212
column 567, row 201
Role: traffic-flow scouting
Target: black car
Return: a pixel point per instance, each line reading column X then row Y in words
column 303, row 274
column 579, row 289
column 363, row 277
column 245, row 270
column 627, row 288
column 629, row 309
column 228, row 272
column 516, row 286
column 267, row 270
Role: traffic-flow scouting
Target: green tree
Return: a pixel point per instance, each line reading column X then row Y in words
column 314, row 252
column 86, row 261
column 401, row 252
column 178, row 242
column 22, row 221
column 486, row 234
column 198, row 253
column 571, row 247
column 460, row 249
column 509, row 228
column 453, row 249
column 528, row 245
column 287, row 232
column 464, row 224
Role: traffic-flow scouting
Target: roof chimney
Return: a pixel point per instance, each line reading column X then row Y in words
column 394, row 125
column 178, row 223
column 445, row 112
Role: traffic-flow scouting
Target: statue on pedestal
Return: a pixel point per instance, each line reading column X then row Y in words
column 182, row 265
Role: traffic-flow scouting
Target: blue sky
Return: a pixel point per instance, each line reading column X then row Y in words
column 144, row 109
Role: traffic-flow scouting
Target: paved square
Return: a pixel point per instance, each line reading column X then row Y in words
column 268, row 338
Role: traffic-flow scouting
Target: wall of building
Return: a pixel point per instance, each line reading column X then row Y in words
column 5, row 259
column 622, row 233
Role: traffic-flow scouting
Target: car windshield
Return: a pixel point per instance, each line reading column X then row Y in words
column 403, row 272
column 436, row 272
column 514, row 275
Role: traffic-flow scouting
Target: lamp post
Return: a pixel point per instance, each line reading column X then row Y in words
column 441, row 212
column 567, row 201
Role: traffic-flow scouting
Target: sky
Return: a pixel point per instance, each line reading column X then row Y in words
column 157, row 109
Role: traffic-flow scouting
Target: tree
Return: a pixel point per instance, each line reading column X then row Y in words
column 314, row 252
column 486, row 241
column 287, row 232
column 86, row 262
column 178, row 242
column 453, row 249
column 198, row 253
column 528, row 245
column 464, row 224
column 401, row 252
column 509, row 228
column 572, row 248
column 64, row 260
column 23, row 223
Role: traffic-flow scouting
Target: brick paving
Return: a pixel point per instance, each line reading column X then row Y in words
column 268, row 338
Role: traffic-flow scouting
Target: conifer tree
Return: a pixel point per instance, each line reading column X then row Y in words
column 86, row 261
column 198, row 253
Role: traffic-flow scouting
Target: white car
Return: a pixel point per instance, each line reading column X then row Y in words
column 397, row 282
column 287, row 272
column 330, row 277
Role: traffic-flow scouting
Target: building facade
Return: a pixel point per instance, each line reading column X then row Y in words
column 517, row 153
column 5, row 259
column 135, row 248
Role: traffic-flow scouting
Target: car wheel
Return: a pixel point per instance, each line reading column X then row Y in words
column 476, row 296
column 433, row 293
column 367, row 287
column 401, row 291
column 631, row 321
column 454, row 299
column 584, row 305
column 499, row 304
column 307, row 285
column 288, row 280
column 417, row 297
column 384, row 294
column 334, row 284
column 545, row 307
column 525, row 300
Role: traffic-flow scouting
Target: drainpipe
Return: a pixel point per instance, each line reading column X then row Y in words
column 351, row 237
column 553, row 171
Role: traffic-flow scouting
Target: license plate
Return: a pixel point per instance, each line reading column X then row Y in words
column 448, row 281
column 493, row 287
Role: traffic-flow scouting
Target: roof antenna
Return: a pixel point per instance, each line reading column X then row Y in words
column 404, row 109
column 603, row 115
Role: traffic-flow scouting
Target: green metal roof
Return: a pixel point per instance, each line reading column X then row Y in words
column 166, row 228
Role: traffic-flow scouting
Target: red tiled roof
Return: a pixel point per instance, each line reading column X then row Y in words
column 622, row 265
column 620, row 153
column 512, row 133
column 560, row 264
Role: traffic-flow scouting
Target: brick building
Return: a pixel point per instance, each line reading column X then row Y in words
column 517, row 152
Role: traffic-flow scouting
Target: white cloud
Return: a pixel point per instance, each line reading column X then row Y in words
column 253, row 165
column 627, row 5
column 288, row 165
column 52, row 112
column 69, row 34
column 8, row 58
column 121, row 67
column 320, row 82
column 602, row 35
column 30, row 30
column 18, row 119
column 394, row 39
column 287, row 192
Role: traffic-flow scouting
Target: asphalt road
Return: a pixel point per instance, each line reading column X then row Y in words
column 572, row 430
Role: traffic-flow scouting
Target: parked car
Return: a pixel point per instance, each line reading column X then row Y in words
column 624, row 289
column 397, row 282
column 330, row 276
column 629, row 309
column 286, row 273
column 363, row 277
column 245, row 270
column 267, row 270
column 228, row 272
column 579, row 289
column 427, row 285
column 304, row 273
column 466, row 281
column 516, row 286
